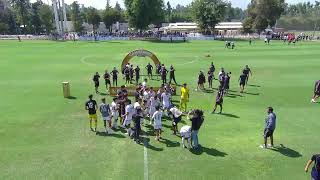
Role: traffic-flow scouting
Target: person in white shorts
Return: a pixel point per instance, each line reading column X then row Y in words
column 185, row 133
column 106, row 115
column 166, row 100
column 157, row 118
column 128, row 116
column 114, row 112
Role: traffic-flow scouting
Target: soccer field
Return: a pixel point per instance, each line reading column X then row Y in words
column 44, row 136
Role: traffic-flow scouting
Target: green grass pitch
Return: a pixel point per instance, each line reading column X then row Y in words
column 44, row 136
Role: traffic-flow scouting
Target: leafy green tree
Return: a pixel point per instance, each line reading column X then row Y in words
column 93, row 18
column 168, row 11
column 76, row 17
column 263, row 13
column 110, row 17
column 142, row 13
column 46, row 17
column 35, row 17
column 208, row 13
column 181, row 14
column 22, row 7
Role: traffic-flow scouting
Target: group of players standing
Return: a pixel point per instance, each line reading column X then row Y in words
column 153, row 104
column 224, row 83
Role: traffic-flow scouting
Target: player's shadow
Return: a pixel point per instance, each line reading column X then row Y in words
column 231, row 95
column 287, row 151
column 209, row 151
column 208, row 91
column 252, row 85
column 254, row 94
column 170, row 143
column 110, row 135
column 72, row 98
column 103, row 94
column 146, row 143
column 229, row 115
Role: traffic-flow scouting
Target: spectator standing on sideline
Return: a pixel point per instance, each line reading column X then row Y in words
column 270, row 126
column 95, row 79
column 315, row 173
column 196, row 118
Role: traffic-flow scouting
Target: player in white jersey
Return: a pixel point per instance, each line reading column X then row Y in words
column 185, row 133
column 129, row 111
column 106, row 116
column 157, row 118
column 114, row 112
column 166, row 103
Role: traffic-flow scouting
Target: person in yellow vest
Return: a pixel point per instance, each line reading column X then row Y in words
column 184, row 98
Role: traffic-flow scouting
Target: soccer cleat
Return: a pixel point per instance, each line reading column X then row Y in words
column 313, row 101
column 270, row 146
column 263, row 146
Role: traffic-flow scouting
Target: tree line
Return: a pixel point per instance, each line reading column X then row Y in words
column 22, row 16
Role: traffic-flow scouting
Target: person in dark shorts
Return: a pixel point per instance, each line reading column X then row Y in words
column 315, row 172
column 316, row 92
column 137, row 118
column 106, row 77
column 137, row 73
column 149, row 68
column 158, row 69
column 172, row 75
column 226, row 84
column 163, row 72
column 247, row 72
column 201, row 81
column 91, row 106
column 95, row 79
column 127, row 75
column 212, row 68
column 115, row 73
column 219, row 101
column 131, row 72
column 242, row 80
column 210, row 78
column 270, row 126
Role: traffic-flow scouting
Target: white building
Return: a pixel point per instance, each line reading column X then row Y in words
column 223, row 28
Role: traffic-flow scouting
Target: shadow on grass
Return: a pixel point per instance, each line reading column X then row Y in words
column 146, row 144
column 110, row 135
column 287, row 151
column 72, row 98
column 252, row 85
column 229, row 115
column 209, row 151
column 170, row 143
column 254, row 94
column 103, row 94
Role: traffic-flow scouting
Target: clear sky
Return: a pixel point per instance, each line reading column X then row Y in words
column 100, row 4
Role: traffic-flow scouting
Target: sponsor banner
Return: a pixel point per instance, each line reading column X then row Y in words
column 131, row 90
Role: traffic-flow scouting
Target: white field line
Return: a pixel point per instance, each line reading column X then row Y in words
column 145, row 157
column 83, row 60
